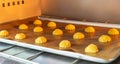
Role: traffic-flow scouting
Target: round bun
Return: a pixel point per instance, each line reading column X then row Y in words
column 78, row 35
column 57, row 32
column 38, row 29
column 37, row 22
column 41, row 40
column 104, row 39
column 89, row 29
column 92, row 48
column 20, row 36
column 64, row 44
column 4, row 33
column 70, row 27
column 23, row 27
column 51, row 25
column 113, row 31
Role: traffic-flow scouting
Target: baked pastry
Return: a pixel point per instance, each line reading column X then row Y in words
column 38, row 29
column 37, row 22
column 57, row 32
column 51, row 25
column 90, row 31
column 104, row 39
column 78, row 35
column 114, row 33
column 70, row 27
column 4, row 33
column 20, row 36
column 64, row 44
column 92, row 48
column 23, row 27
column 40, row 40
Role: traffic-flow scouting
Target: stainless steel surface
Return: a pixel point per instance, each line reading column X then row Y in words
column 81, row 23
column 27, row 54
column 4, row 60
column 48, row 58
column 86, row 62
column 91, row 10
column 15, row 50
column 16, row 59
column 5, row 46
column 9, row 56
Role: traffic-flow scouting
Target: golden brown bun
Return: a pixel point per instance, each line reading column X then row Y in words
column 64, row 44
column 23, row 27
column 113, row 31
column 57, row 32
column 78, row 35
column 4, row 33
column 92, row 48
column 37, row 22
column 38, row 29
column 104, row 39
column 51, row 25
column 41, row 40
column 70, row 27
column 89, row 29
column 20, row 36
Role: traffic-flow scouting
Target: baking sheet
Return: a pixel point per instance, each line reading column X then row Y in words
column 107, row 53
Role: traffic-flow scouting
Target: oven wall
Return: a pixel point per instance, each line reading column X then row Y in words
column 18, row 9
column 92, row 10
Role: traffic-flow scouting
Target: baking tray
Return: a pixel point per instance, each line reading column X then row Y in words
column 107, row 53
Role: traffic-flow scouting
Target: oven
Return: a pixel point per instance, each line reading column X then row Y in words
column 102, row 15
